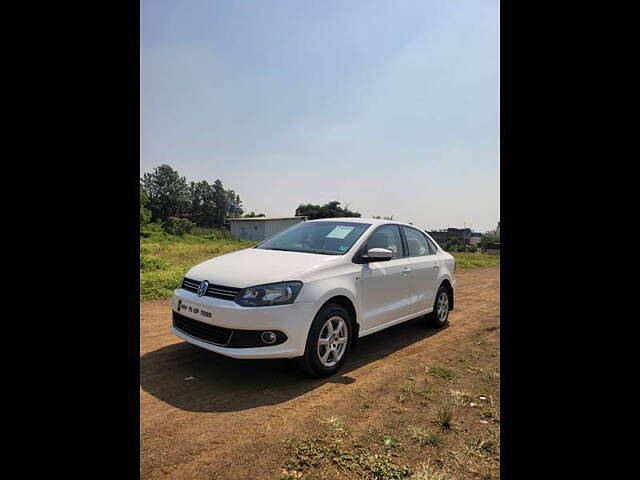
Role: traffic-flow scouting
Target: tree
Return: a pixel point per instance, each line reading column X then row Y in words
column 454, row 244
column 221, row 202
column 145, row 213
column 253, row 215
column 488, row 238
column 201, row 208
column 239, row 211
column 168, row 193
column 328, row 210
column 234, row 204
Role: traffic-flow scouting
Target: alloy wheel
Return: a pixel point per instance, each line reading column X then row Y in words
column 443, row 306
column 332, row 341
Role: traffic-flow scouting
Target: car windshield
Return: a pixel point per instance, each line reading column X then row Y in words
column 327, row 238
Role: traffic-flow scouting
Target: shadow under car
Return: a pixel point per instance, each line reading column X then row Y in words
column 194, row 379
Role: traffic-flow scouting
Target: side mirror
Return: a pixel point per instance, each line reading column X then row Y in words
column 378, row 255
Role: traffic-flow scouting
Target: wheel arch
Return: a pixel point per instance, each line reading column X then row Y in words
column 348, row 304
column 446, row 283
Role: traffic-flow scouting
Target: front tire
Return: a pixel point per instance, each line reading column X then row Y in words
column 439, row 317
column 328, row 341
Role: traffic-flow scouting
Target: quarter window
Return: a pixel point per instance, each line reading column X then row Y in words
column 416, row 242
column 432, row 246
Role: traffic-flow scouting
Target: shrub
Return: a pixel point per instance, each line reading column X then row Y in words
column 488, row 238
column 151, row 229
column 145, row 213
column 219, row 234
column 150, row 263
column 178, row 226
column 453, row 244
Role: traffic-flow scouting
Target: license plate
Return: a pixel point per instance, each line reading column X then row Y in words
column 194, row 310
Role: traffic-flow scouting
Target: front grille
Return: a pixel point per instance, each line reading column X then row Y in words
column 201, row 330
column 215, row 291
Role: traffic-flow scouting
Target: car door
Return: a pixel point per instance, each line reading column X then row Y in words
column 386, row 286
column 424, row 270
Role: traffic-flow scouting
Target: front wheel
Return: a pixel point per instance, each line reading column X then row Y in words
column 328, row 341
column 440, row 315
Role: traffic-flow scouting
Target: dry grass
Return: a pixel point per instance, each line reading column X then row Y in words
column 427, row 472
column 424, row 437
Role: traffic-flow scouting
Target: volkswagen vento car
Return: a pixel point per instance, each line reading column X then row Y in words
column 309, row 292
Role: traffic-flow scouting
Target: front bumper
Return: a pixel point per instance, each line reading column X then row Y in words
column 293, row 320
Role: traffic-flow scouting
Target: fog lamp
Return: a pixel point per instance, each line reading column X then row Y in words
column 268, row 337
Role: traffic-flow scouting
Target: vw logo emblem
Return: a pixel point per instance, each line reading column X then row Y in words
column 202, row 289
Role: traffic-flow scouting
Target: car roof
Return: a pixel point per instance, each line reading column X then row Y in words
column 372, row 221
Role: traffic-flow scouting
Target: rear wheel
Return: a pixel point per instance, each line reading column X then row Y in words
column 439, row 317
column 328, row 341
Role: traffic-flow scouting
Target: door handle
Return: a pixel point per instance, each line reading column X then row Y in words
column 406, row 271
column 436, row 266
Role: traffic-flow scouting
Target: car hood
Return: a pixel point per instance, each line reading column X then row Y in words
column 253, row 266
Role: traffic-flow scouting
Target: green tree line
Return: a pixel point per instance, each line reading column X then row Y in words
column 328, row 210
column 166, row 195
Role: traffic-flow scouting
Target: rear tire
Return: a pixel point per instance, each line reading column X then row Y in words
column 328, row 341
column 439, row 317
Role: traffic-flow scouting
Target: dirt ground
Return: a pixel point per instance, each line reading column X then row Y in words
column 207, row 416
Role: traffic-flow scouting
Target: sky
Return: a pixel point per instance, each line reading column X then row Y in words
column 390, row 107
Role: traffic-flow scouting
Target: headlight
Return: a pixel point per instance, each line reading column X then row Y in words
column 271, row 294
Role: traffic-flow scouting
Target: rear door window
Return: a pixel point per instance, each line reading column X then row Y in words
column 417, row 243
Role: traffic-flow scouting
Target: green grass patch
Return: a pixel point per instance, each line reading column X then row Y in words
column 151, row 263
column 475, row 260
column 443, row 372
column 389, row 443
column 323, row 453
column 164, row 259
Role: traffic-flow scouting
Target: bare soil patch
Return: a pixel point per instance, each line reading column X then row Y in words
column 411, row 402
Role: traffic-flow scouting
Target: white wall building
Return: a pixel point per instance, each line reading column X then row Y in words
column 259, row 228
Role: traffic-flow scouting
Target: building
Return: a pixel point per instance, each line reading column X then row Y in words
column 475, row 238
column 259, row 228
column 441, row 236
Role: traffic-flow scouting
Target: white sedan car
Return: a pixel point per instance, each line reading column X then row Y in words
column 312, row 290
